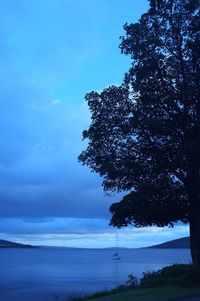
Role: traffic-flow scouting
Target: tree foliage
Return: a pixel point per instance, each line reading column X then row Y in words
column 144, row 136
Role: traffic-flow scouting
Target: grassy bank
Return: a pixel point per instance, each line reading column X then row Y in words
column 149, row 294
column 169, row 283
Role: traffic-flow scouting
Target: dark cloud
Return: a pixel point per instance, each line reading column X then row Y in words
column 45, row 201
column 53, row 226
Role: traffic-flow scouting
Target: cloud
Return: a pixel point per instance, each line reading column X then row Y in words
column 54, row 226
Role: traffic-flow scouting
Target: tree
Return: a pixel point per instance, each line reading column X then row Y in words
column 144, row 136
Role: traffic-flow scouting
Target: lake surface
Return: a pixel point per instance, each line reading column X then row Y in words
column 49, row 274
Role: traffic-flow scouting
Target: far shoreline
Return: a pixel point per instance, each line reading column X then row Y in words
column 181, row 243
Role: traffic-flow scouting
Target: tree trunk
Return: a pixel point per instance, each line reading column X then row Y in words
column 194, row 214
column 195, row 239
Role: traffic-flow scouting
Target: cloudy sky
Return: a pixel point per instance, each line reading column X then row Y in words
column 52, row 53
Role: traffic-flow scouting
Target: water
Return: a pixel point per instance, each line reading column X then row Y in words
column 47, row 274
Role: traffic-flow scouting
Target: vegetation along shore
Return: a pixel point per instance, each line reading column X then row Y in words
column 170, row 283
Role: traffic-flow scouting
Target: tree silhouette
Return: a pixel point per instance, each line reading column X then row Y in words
column 144, row 136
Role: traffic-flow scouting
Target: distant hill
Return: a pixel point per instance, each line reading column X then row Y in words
column 10, row 244
column 181, row 243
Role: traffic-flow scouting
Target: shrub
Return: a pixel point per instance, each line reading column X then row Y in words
column 132, row 281
column 177, row 274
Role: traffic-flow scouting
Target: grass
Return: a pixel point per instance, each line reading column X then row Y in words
column 149, row 294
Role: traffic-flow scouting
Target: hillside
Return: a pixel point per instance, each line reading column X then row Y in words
column 181, row 243
column 10, row 244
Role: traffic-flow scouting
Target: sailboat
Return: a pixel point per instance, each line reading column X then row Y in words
column 116, row 254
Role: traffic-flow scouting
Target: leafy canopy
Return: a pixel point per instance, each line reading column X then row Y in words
column 144, row 136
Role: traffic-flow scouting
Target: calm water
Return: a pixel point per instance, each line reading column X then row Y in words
column 47, row 274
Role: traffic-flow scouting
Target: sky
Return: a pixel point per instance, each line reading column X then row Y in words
column 52, row 53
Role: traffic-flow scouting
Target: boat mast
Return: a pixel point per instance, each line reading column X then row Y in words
column 117, row 243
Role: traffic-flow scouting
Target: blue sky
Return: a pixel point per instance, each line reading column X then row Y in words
column 52, row 54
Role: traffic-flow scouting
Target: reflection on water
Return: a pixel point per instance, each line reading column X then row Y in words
column 42, row 274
